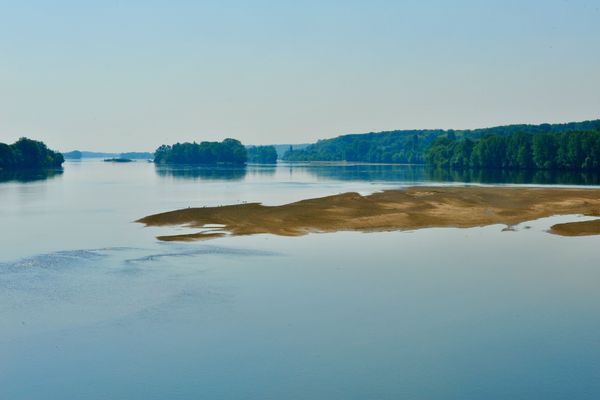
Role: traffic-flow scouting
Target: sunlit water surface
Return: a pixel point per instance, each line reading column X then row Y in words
column 92, row 306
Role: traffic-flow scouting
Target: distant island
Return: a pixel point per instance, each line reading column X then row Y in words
column 229, row 151
column 73, row 155
column 118, row 160
column 137, row 155
column 77, row 155
column 27, row 153
column 574, row 146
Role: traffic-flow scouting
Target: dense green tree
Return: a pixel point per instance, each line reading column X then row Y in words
column 229, row 151
column 544, row 151
column 460, row 156
column 490, row 152
column 7, row 156
column 262, row 154
column 520, row 151
column 410, row 146
column 27, row 153
column 384, row 147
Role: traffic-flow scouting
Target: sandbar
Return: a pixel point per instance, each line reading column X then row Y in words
column 406, row 209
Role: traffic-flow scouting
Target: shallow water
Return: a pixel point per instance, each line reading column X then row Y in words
column 92, row 306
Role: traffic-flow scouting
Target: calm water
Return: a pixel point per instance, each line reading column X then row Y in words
column 93, row 307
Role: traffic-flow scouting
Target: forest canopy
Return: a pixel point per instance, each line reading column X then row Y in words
column 563, row 151
column 27, row 153
column 262, row 154
column 413, row 146
column 229, row 151
column 383, row 147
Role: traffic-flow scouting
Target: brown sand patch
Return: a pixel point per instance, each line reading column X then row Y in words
column 412, row 208
column 584, row 228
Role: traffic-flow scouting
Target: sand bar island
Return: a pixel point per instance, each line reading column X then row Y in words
column 407, row 209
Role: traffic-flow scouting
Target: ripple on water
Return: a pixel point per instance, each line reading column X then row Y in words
column 69, row 258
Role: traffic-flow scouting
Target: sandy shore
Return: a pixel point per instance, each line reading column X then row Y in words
column 412, row 208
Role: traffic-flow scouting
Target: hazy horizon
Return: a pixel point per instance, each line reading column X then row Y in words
column 300, row 142
column 105, row 76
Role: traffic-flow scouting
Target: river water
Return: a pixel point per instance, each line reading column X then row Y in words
column 92, row 306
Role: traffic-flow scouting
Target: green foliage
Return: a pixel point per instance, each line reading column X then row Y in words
column 410, row 146
column 544, row 151
column 27, row 153
column 383, row 147
column 118, row 160
column 563, row 151
column 229, row 151
column 7, row 156
column 262, row 154
column 446, row 152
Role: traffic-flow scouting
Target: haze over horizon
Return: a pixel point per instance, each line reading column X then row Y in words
column 107, row 76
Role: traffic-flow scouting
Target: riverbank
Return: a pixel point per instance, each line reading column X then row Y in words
column 412, row 208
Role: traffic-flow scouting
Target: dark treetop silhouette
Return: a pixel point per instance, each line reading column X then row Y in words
column 562, row 151
column 550, row 146
column 27, row 153
column 229, row 151
column 262, row 154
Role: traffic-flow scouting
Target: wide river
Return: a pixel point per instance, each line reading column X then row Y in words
column 92, row 306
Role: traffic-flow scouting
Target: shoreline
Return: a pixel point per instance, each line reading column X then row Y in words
column 411, row 208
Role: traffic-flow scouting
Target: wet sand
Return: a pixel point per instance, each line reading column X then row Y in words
column 412, row 208
column 583, row 228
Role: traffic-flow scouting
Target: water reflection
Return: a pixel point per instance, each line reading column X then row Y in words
column 491, row 176
column 262, row 170
column 75, row 271
column 363, row 172
column 29, row 175
column 203, row 172
column 420, row 174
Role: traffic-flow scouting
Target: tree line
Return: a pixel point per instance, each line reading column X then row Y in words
column 262, row 154
column 27, row 153
column 412, row 146
column 383, row 147
column 561, row 151
column 229, row 151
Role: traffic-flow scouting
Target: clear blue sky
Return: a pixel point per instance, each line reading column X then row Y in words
column 130, row 75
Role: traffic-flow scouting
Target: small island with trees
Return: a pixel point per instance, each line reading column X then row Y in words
column 228, row 152
column 28, row 154
column 132, row 155
column 571, row 146
column 118, row 160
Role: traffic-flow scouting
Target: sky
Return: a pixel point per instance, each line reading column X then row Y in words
column 131, row 75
